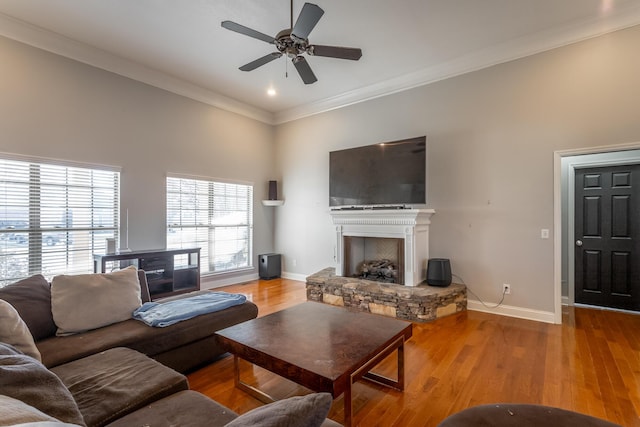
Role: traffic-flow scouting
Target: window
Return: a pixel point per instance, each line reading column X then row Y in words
column 214, row 216
column 53, row 217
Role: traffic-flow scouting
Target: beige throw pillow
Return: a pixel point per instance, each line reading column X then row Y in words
column 14, row 331
column 88, row 301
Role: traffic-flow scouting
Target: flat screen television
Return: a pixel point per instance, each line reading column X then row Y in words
column 386, row 174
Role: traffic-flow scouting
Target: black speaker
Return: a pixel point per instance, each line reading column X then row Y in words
column 269, row 266
column 273, row 190
column 439, row 272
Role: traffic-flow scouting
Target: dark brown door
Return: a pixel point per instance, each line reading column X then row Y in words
column 607, row 227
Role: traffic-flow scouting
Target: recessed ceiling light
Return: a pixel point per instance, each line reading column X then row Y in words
column 271, row 92
column 606, row 5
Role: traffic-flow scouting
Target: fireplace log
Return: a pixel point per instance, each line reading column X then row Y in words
column 382, row 270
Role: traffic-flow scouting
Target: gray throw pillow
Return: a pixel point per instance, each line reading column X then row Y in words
column 299, row 411
column 89, row 301
column 14, row 331
column 14, row 411
column 31, row 297
column 24, row 378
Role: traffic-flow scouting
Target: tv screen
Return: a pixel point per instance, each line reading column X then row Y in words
column 389, row 173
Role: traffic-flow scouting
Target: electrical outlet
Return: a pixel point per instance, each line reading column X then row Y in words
column 294, row 262
column 506, row 289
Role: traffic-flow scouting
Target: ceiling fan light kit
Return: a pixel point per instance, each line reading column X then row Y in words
column 293, row 42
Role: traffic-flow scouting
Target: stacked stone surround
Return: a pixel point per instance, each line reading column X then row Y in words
column 415, row 303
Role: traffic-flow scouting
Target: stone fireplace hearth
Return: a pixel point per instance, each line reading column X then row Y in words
column 415, row 303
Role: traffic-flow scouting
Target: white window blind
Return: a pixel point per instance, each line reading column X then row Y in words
column 54, row 217
column 216, row 217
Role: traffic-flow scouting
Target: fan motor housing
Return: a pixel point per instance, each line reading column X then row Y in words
column 289, row 44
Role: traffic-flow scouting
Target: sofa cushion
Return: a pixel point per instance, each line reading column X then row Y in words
column 299, row 411
column 146, row 339
column 14, row 331
column 88, row 301
column 25, row 379
column 31, row 297
column 116, row 382
column 184, row 409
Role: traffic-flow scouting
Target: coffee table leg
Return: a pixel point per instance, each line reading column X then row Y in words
column 364, row 372
column 348, row 403
column 247, row 388
column 397, row 384
column 401, row 367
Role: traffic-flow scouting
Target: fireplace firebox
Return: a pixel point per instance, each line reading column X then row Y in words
column 374, row 258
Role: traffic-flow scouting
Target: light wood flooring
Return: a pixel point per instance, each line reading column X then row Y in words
column 589, row 364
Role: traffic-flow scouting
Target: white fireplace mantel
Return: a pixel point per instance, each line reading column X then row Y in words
column 411, row 225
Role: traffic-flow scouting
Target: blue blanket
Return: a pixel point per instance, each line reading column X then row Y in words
column 168, row 313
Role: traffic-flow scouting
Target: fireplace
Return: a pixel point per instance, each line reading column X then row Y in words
column 384, row 237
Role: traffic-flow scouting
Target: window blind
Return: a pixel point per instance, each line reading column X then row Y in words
column 53, row 217
column 214, row 216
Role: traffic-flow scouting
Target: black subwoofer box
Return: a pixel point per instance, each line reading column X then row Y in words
column 269, row 266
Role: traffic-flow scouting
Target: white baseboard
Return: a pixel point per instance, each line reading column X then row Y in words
column 294, row 276
column 511, row 311
column 212, row 282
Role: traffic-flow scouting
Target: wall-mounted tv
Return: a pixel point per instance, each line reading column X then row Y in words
column 386, row 174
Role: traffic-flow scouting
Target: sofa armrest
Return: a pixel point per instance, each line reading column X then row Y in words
column 145, row 296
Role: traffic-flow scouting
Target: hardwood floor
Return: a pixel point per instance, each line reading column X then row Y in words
column 589, row 364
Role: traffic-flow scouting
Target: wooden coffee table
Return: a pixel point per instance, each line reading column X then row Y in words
column 319, row 346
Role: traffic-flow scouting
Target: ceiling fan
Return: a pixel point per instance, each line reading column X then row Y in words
column 294, row 41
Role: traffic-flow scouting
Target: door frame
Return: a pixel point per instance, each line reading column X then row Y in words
column 558, row 192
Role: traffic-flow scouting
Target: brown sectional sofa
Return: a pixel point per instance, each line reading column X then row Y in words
column 183, row 346
column 121, row 387
column 108, row 376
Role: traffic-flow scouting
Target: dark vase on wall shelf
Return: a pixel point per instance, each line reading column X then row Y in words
column 273, row 195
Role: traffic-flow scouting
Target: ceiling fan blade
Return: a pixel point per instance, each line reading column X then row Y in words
column 229, row 25
column 304, row 70
column 335, row 52
column 307, row 20
column 260, row 61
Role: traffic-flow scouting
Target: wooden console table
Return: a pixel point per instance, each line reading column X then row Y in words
column 168, row 271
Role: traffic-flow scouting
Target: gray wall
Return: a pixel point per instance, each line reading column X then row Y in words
column 54, row 107
column 491, row 136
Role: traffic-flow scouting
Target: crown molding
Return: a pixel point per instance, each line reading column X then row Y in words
column 514, row 49
column 494, row 55
column 60, row 45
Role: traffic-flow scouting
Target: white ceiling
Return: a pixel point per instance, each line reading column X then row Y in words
column 180, row 46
